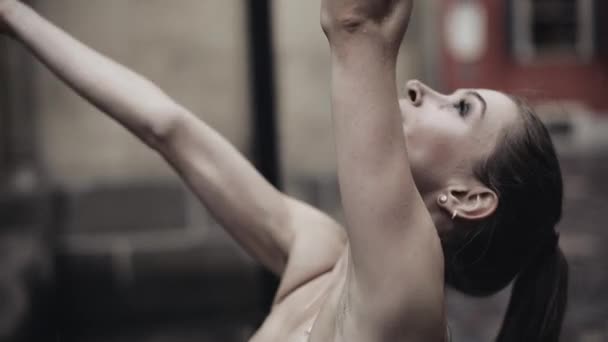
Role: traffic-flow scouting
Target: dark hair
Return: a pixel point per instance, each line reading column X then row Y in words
column 518, row 241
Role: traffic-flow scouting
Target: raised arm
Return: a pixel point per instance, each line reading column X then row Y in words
column 109, row 86
column 261, row 218
column 397, row 282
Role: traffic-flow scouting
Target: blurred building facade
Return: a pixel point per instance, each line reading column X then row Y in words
column 551, row 50
column 76, row 188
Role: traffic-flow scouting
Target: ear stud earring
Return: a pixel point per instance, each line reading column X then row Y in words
column 443, row 199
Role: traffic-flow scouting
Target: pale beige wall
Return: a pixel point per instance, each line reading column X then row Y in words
column 303, row 88
column 195, row 50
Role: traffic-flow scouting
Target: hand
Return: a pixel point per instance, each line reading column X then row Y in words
column 6, row 7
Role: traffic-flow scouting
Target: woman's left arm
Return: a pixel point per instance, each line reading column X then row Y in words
column 397, row 285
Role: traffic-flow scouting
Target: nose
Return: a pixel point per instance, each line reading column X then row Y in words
column 418, row 92
column 415, row 92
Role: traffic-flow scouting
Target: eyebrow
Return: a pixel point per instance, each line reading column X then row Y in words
column 484, row 104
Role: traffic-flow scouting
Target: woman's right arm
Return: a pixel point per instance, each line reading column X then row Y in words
column 256, row 214
column 396, row 289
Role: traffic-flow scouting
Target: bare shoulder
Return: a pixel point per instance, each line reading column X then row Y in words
column 319, row 242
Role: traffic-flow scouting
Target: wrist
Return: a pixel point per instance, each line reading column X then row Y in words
column 9, row 10
column 378, row 19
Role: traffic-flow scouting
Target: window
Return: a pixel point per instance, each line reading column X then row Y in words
column 552, row 28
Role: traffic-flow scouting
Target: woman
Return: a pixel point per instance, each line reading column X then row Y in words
column 463, row 189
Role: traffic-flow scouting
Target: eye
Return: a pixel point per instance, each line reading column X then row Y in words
column 463, row 107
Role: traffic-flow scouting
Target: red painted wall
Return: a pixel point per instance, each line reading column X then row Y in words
column 566, row 79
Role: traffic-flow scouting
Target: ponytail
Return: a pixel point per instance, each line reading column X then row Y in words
column 538, row 300
column 518, row 240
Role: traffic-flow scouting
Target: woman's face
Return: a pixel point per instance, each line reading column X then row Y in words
column 447, row 135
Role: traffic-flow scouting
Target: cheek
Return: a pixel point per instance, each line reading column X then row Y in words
column 434, row 137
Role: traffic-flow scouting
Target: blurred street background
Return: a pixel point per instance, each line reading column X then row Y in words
column 101, row 242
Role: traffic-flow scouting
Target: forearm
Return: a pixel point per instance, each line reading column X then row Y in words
column 368, row 130
column 364, row 38
column 377, row 189
column 367, row 121
column 130, row 99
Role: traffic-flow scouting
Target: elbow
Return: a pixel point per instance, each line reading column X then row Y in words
column 161, row 131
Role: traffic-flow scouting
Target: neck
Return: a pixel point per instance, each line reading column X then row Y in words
column 441, row 219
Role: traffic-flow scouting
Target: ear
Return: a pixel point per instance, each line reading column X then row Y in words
column 474, row 202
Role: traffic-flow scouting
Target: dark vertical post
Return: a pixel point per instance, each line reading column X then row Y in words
column 262, row 90
column 23, row 203
column 5, row 156
column 18, row 145
column 601, row 29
